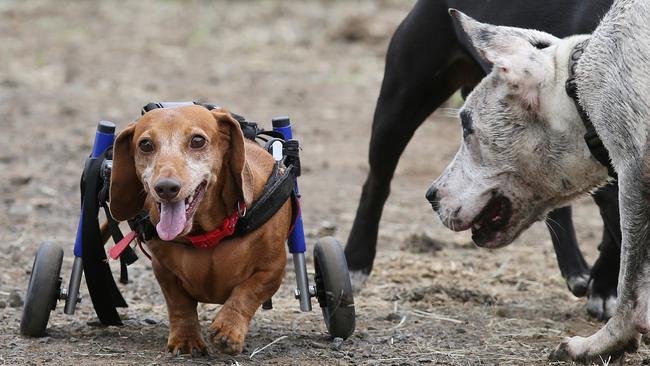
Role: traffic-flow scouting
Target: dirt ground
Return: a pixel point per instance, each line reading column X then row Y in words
column 434, row 298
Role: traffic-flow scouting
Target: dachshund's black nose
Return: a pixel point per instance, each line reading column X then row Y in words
column 432, row 196
column 167, row 188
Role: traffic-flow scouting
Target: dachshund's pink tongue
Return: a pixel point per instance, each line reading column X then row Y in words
column 172, row 220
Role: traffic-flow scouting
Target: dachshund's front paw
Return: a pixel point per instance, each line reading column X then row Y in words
column 227, row 339
column 193, row 345
column 228, row 332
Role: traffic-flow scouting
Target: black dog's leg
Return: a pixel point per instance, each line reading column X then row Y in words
column 419, row 76
column 572, row 264
column 421, row 73
column 604, row 273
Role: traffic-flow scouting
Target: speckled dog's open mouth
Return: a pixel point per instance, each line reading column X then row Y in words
column 491, row 220
column 175, row 217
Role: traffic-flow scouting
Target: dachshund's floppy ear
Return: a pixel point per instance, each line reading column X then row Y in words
column 127, row 193
column 236, row 154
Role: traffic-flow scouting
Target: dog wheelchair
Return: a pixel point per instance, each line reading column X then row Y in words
column 332, row 287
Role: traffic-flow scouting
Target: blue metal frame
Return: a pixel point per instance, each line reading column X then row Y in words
column 297, row 237
column 296, row 242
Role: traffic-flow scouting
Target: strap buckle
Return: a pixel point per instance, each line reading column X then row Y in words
column 241, row 209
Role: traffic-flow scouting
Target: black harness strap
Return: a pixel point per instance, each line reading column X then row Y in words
column 594, row 143
column 141, row 224
column 103, row 291
column 128, row 257
column 278, row 189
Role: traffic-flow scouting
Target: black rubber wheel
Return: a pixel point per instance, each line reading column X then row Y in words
column 333, row 288
column 43, row 290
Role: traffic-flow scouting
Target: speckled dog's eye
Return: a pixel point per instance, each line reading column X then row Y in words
column 467, row 123
column 146, row 145
column 197, row 142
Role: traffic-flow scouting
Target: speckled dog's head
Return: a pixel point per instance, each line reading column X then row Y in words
column 523, row 151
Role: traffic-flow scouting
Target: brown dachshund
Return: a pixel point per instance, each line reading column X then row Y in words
column 192, row 169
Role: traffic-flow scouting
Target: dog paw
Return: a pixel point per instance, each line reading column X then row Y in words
column 194, row 346
column 602, row 297
column 578, row 284
column 603, row 288
column 358, row 279
column 575, row 349
column 227, row 337
column 582, row 350
column 601, row 308
column 562, row 352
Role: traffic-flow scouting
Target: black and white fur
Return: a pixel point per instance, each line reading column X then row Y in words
column 428, row 59
column 527, row 148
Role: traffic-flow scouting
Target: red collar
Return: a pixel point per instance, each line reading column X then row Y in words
column 202, row 241
column 214, row 237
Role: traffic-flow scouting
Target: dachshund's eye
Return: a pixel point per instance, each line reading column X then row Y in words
column 145, row 145
column 197, row 142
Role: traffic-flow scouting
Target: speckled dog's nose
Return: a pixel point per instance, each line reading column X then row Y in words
column 432, row 196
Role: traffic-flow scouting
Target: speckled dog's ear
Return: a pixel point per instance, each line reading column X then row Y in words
column 127, row 194
column 495, row 41
column 517, row 55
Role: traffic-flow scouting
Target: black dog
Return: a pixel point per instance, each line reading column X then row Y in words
column 428, row 59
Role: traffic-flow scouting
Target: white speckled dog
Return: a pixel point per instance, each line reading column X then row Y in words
column 523, row 151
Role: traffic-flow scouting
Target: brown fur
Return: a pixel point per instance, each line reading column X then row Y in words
column 240, row 273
